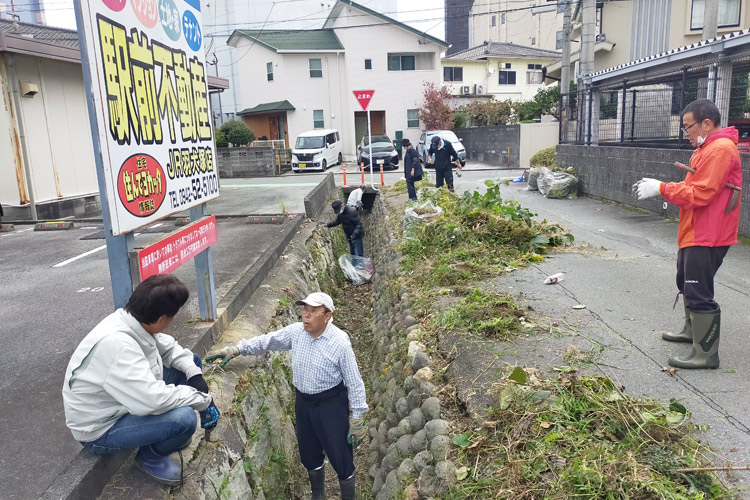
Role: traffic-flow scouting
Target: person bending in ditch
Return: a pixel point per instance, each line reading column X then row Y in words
column 327, row 383
column 129, row 386
column 442, row 155
column 709, row 220
column 350, row 220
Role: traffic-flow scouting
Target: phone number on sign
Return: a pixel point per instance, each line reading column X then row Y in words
column 200, row 188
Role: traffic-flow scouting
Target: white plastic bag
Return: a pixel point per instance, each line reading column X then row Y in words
column 414, row 216
column 358, row 270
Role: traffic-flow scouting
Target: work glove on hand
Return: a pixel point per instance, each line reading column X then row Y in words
column 198, row 382
column 647, row 188
column 209, row 417
column 356, row 432
column 225, row 355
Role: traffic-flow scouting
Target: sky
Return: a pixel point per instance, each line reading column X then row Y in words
column 425, row 15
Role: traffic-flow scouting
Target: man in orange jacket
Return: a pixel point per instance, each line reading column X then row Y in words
column 707, row 227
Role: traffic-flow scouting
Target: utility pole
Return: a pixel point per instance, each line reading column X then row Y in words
column 710, row 18
column 565, row 75
column 587, row 64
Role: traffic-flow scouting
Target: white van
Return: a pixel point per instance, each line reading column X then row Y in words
column 316, row 150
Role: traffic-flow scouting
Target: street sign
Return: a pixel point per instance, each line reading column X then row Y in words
column 149, row 95
column 363, row 97
column 177, row 248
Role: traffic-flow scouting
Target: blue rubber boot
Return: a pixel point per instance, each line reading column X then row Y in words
column 162, row 469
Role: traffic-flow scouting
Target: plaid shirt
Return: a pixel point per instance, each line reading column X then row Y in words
column 317, row 364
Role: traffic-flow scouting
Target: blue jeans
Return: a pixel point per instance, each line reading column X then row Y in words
column 166, row 433
column 356, row 247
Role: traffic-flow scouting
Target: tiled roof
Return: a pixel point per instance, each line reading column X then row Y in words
column 268, row 107
column 502, row 49
column 57, row 36
column 277, row 40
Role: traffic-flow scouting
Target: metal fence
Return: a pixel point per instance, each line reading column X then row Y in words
column 646, row 112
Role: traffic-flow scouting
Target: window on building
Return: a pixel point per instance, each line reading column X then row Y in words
column 453, row 74
column 402, row 62
column 318, row 121
column 269, row 71
column 506, row 77
column 502, row 18
column 534, row 77
column 534, row 66
column 533, row 40
column 316, row 68
column 412, row 118
column 368, row 63
column 494, row 21
column 559, row 40
column 729, row 14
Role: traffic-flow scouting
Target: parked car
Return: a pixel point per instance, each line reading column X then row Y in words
column 743, row 128
column 447, row 135
column 383, row 152
column 316, row 150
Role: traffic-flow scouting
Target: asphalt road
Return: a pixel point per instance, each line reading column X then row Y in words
column 47, row 310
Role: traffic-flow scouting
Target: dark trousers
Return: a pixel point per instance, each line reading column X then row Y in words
column 322, row 427
column 356, row 247
column 411, row 189
column 696, row 268
column 444, row 173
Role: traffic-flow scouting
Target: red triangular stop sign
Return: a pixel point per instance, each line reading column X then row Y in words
column 363, row 96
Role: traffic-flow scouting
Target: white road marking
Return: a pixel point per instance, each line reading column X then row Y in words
column 16, row 232
column 157, row 225
column 66, row 262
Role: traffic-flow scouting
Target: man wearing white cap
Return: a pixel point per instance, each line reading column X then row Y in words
column 327, row 382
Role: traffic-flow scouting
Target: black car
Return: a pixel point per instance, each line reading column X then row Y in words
column 383, row 152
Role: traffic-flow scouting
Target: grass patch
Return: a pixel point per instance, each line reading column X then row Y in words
column 580, row 438
column 489, row 314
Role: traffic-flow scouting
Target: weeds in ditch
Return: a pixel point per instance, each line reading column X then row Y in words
column 579, row 438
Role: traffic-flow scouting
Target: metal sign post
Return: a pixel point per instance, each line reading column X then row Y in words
column 147, row 94
column 363, row 97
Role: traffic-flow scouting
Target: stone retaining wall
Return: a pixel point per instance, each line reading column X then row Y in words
column 410, row 443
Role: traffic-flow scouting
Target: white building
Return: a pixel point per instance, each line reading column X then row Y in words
column 503, row 71
column 297, row 80
column 221, row 17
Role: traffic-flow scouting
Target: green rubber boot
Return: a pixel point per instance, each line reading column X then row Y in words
column 685, row 335
column 705, row 350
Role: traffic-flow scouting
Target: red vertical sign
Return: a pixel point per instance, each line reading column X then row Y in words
column 363, row 97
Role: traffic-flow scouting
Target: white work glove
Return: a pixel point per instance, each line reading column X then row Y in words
column 646, row 188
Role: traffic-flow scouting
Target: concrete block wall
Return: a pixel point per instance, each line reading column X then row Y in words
column 491, row 144
column 246, row 162
column 609, row 172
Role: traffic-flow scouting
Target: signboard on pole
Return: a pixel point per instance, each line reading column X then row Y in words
column 149, row 88
column 363, row 97
column 179, row 247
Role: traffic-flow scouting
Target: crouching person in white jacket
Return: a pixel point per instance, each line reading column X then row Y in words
column 130, row 386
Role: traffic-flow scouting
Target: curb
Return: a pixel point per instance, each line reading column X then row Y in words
column 87, row 474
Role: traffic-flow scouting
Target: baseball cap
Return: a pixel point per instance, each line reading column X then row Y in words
column 435, row 139
column 317, row 299
column 336, row 205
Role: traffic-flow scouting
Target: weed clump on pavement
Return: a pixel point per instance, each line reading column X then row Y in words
column 478, row 236
column 579, row 438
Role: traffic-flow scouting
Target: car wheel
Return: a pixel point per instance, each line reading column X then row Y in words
column 340, row 159
column 296, row 171
column 324, row 165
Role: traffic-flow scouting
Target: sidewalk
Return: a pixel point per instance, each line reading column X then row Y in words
column 622, row 267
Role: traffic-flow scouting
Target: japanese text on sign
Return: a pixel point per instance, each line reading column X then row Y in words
column 173, row 251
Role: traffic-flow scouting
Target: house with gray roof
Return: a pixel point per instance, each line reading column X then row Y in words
column 497, row 70
column 292, row 81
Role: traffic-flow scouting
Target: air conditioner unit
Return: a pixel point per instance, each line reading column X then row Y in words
column 479, row 90
column 465, row 90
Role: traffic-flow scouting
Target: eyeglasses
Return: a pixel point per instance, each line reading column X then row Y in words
column 685, row 129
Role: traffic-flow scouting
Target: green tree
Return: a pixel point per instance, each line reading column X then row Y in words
column 237, row 133
column 221, row 141
column 435, row 112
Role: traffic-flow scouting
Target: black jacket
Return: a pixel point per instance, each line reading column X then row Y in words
column 412, row 160
column 443, row 157
column 349, row 219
